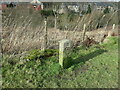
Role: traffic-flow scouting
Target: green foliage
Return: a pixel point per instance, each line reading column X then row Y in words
column 37, row 54
column 85, row 68
column 89, row 9
column 71, row 16
column 83, row 12
column 54, row 69
column 113, row 40
column 11, row 5
column 34, row 54
column 51, row 52
column 112, row 43
column 47, row 13
column 67, row 62
column 106, row 10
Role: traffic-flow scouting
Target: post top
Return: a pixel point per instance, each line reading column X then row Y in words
column 45, row 21
column 64, row 40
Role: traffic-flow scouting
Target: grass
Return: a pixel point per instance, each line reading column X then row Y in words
column 95, row 67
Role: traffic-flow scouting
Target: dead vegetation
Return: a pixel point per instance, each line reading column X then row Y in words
column 89, row 42
column 27, row 32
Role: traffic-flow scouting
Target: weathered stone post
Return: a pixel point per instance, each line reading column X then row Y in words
column 64, row 45
column 84, row 32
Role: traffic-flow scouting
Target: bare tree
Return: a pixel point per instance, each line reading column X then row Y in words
column 55, row 14
column 84, row 31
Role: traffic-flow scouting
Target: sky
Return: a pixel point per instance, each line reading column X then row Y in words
column 114, row 0
column 62, row 0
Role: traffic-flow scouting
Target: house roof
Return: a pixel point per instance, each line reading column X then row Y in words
column 35, row 1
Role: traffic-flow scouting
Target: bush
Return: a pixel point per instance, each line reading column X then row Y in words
column 70, row 16
column 47, row 13
column 38, row 54
column 89, row 9
column 83, row 12
column 61, row 27
column 34, row 54
column 50, row 52
column 106, row 10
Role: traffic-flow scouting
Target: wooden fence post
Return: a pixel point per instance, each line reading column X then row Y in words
column 113, row 26
column 45, row 36
column 84, row 32
column 55, row 26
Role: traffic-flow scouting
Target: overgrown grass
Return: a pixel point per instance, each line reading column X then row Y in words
column 96, row 67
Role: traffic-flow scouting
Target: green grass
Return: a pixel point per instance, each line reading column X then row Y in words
column 95, row 67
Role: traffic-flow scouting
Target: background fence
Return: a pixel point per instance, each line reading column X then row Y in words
column 24, row 29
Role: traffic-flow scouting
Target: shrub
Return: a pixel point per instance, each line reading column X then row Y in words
column 33, row 54
column 83, row 12
column 47, row 13
column 51, row 52
column 106, row 10
column 37, row 54
column 89, row 9
column 71, row 16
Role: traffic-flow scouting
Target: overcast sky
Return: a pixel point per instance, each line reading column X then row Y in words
column 114, row 0
column 62, row 0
